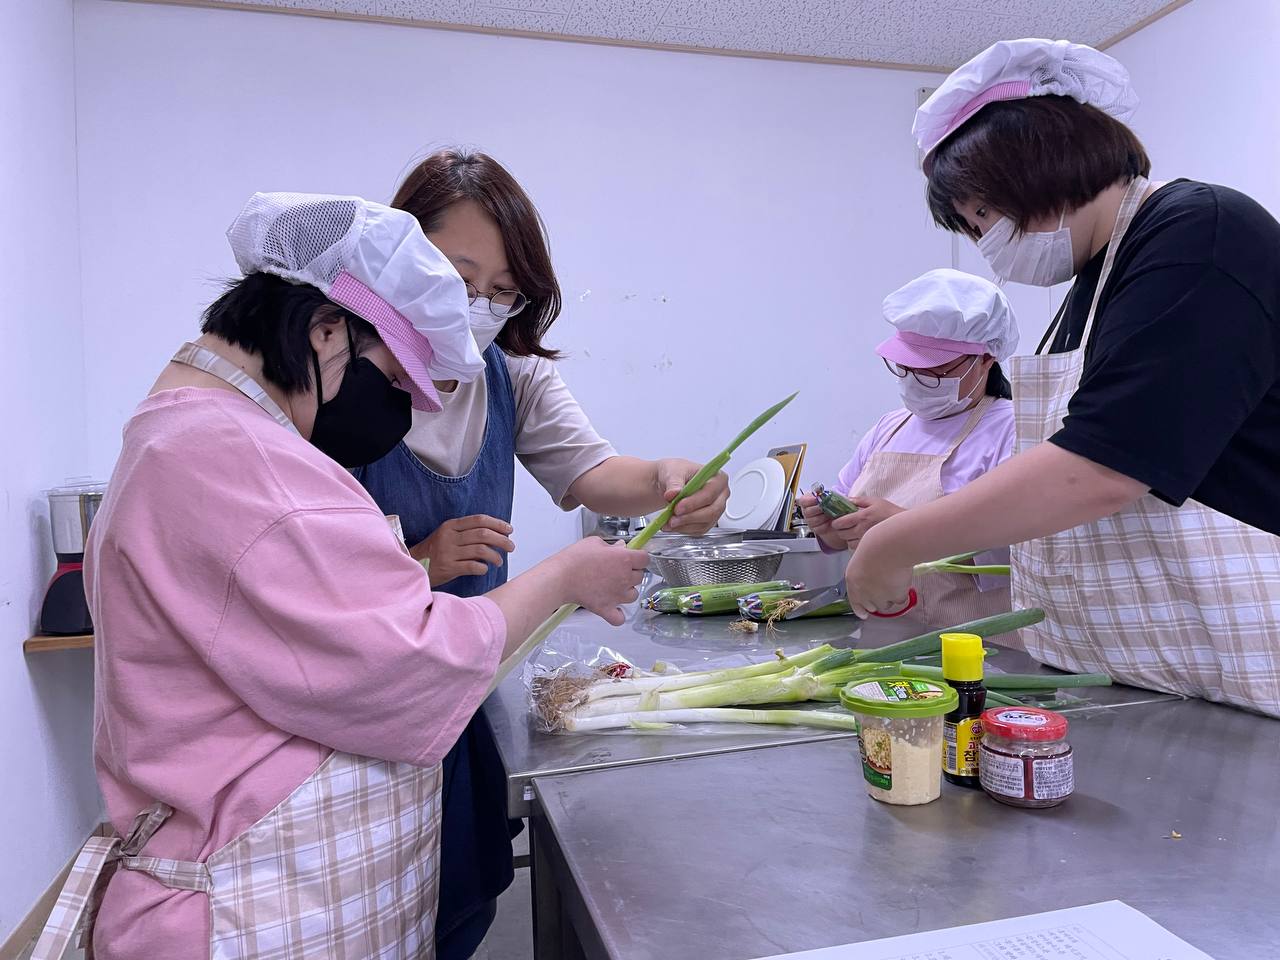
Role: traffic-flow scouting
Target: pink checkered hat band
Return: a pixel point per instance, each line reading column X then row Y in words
column 917, row 350
column 1009, row 90
column 410, row 347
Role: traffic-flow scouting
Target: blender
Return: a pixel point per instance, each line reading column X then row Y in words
column 71, row 509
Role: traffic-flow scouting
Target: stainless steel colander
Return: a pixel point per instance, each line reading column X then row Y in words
column 698, row 563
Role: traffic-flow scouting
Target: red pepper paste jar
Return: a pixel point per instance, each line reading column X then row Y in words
column 1024, row 759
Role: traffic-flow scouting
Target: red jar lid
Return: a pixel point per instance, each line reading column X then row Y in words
column 1024, row 723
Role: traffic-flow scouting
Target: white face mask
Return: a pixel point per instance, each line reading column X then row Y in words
column 1040, row 259
column 935, row 403
column 485, row 327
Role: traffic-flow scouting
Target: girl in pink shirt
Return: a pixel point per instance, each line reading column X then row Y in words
column 276, row 680
column 955, row 424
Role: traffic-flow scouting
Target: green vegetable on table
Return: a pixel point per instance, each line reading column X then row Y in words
column 640, row 540
column 580, row 705
column 709, row 595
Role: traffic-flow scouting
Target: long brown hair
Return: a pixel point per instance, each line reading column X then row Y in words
column 450, row 176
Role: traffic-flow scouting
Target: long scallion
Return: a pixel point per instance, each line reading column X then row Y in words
column 663, row 719
column 640, row 540
column 929, row 643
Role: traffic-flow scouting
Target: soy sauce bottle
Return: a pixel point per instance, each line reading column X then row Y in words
column 962, row 656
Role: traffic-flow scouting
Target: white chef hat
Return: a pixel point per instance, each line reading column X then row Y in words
column 946, row 314
column 1015, row 69
column 376, row 262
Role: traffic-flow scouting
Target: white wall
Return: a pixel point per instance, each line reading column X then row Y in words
column 49, row 800
column 724, row 228
column 1206, row 75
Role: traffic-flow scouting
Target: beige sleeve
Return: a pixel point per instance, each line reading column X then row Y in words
column 554, row 439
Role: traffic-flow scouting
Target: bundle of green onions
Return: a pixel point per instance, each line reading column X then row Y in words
column 640, row 540
column 583, row 704
column 768, row 606
column 709, row 597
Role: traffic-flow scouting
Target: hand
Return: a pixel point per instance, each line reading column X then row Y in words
column 877, row 582
column 852, row 527
column 819, row 523
column 698, row 513
column 601, row 578
column 464, row 547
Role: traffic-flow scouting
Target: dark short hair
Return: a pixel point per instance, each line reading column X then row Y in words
column 1030, row 159
column 271, row 317
column 451, row 176
column 998, row 384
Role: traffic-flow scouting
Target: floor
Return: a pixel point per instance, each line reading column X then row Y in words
column 510, row 938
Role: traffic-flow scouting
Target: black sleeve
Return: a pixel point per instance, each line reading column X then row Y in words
column 1181, row 357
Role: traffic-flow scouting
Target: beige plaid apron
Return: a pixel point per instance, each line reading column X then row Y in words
column 1185, row 600
column 912, row 479
column 347, row 866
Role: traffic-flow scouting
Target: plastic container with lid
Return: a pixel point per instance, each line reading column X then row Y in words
column 900, row 736
column 1025, row 759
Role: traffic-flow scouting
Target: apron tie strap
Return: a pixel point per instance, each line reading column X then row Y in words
column 81, row 894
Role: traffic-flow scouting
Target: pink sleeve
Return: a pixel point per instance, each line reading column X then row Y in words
column 333, row 634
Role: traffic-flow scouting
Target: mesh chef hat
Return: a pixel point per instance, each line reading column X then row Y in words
column 946, row 314
column 375, row 262
column 1014, row 69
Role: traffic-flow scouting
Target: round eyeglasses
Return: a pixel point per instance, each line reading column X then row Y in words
column 924, row 377
column 503, row 304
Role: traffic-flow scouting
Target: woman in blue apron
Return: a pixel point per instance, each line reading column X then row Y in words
column 452, row 481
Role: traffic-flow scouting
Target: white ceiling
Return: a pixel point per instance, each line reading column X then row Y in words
column 931, row 33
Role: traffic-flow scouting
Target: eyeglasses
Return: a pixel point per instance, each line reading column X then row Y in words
column 503, row 304
column 924, row 377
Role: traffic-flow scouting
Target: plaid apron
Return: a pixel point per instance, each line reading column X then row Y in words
column 346, row 866
column 1185, row 600
column 912, row 479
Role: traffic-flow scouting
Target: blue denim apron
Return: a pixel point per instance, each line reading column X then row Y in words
column 475, row 844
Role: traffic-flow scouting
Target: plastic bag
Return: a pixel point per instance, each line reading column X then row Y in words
column 556, row 677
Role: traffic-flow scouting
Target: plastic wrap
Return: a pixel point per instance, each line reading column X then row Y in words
column 556, row 676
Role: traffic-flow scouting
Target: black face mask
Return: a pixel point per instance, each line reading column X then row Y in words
column 365, row 419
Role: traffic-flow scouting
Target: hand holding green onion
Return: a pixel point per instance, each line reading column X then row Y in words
column 698, row 512
column 638, row 542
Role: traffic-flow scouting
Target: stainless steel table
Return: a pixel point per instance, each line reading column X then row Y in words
column 756, row 853
column 648, row 637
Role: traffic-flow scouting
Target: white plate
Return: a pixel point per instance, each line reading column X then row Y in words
column 756, row 493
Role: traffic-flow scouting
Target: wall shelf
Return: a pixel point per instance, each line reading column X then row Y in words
column 49, row 644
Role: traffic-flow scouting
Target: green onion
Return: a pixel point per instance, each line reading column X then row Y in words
column 723, row 597
column 831, row 503
column 929, row 643
column 638, row 542
column 767, row 606
column 995, row 699
column 634, row 686
column 664, row 719
column 959, row 564
column 1018, row 681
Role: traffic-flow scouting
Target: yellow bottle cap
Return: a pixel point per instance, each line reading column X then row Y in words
column 962, row 656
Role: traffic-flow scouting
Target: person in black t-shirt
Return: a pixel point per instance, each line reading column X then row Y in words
column 1178, row 391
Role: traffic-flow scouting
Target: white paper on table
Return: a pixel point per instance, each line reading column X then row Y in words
column 1100, row 931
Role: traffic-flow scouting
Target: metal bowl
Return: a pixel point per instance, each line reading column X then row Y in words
column 698, row 563
column 664, row 540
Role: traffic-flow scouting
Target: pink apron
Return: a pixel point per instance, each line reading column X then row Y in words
column 912, row 479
